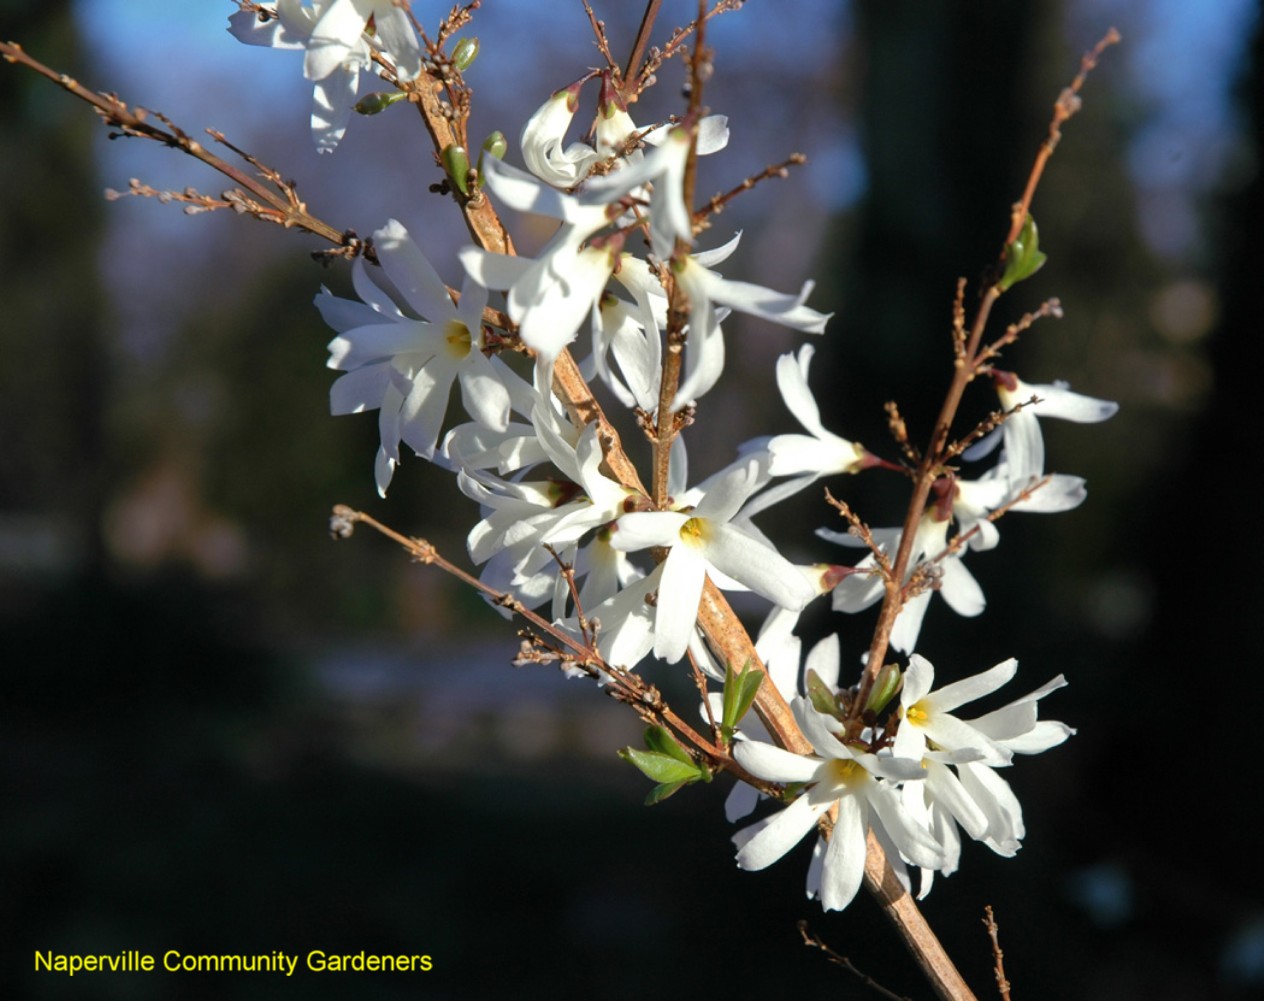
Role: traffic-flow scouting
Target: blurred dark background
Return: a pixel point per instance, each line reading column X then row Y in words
column 222, row 732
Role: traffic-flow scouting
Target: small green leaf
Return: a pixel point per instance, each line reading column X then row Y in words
column 661, row 767
column 890, row 680
column 663, row 791
column 739, row 694
column 1023, row 257
column 659, row 738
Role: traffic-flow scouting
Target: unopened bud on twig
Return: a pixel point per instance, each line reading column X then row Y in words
column 465, row 53
column 371, row 104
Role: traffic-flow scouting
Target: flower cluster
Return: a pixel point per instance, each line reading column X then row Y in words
column 914, row 782
column 624, row 569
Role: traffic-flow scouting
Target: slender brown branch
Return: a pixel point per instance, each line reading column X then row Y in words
column 813, row 941
column 903, row 913
column 968, row 361
column 281, row 206
column 667, row 426
column 599, row 34
column 717, row 203
column 998, row 957
column 630, row 72
column 630, row 687
column 1067, row 104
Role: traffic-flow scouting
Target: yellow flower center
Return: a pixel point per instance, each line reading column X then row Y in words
column 916, row 714
column 457, row 334
column 844, row 771
column 694, row 532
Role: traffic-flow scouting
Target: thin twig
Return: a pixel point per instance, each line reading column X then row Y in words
column 631, row 71
column 281, row 206
column 1067, row 104
column 717, row 203
column 968, row 364
column 599, row 33
column 813, row 941
column 998, row 957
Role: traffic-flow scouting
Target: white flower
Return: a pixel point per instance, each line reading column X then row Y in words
column 523, row 516
column 1024, row 444
column 701, row 540
column 927, row 720
column 544, row 134
column 340, row 27
column 706, row 290
column 548, row 296
column 973, row 796
column 806, row 457
column 974, row 500
column 631, row 334
column 956, row 585
column 544, row 146
column 334, row 92
column 405, row 367
column 838, row 776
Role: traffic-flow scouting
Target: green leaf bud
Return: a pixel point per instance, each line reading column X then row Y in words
column 820, row 696
column 496, row 144
column 456, row 163
column 465, row 53
column 659, row 738
column 739, row 693
column 1023, row 257
column 889, row 681
column 371, row 104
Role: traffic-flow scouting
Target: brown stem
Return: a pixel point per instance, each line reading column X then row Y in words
column 927, row 470
column 642, row 40
column 281, row 206
column 666, row 426
column 902, row 911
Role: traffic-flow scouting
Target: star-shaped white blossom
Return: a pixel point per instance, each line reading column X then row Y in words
column 1024, row 444
column 960, row 757
column 701, row 540
column 404, row 367
column 836, row 776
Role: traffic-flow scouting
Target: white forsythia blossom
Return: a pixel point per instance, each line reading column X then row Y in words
column 341, row 25
column 805, row 457
column 707, row 291
column 863, row 788
column 404, row 367
column 974, row 500
column 332, row 34
column 523, row 516
column 631, row 335
column 956, row 585
column 701, row 540
column 551, row 295
column 1024, row 444
column 961, row 786
column 543, row 141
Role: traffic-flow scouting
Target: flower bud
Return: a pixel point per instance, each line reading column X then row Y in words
column 371, row 104
column 496, row 144
column 456, row 163
column 465, row 53
column 884, row 688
